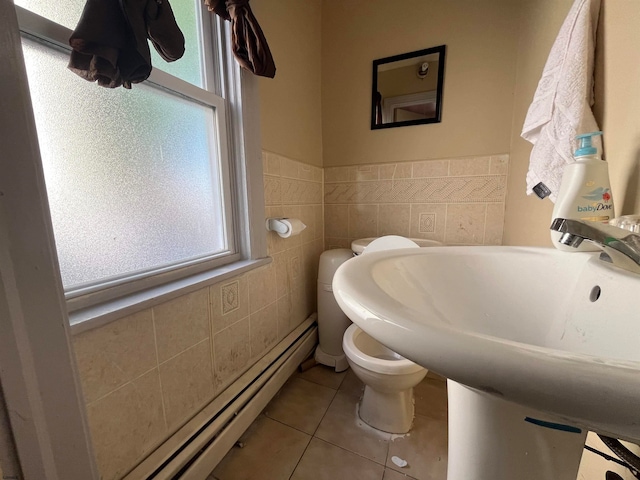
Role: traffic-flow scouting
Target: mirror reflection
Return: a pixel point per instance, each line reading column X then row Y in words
column 407, row 88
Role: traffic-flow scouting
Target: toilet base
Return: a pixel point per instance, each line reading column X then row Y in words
column 338, row 361
column 390, row 412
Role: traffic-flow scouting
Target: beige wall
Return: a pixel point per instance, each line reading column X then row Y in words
column 291, row 108
column 618, row 100
column 481, row 39
column 527, row 219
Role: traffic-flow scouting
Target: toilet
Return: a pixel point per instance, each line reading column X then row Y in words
column 358, row 246
column 389, row 378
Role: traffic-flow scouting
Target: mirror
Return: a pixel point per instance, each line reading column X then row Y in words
column 407, row 89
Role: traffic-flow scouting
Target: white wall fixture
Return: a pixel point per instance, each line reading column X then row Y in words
column 285, row 227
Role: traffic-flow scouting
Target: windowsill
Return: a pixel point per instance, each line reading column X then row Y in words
column 103, row 313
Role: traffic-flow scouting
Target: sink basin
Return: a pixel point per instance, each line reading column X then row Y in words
column 556, row 333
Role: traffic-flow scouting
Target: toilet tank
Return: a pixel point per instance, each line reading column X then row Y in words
column 332, row 322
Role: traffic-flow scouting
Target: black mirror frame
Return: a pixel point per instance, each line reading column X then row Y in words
column 374, row 91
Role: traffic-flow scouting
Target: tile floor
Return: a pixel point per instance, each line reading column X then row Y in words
column 311, row 431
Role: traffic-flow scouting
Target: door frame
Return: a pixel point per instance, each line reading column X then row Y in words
column 38, row 373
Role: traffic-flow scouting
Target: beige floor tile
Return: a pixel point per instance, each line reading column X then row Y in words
column 271, row 452
column 431, row 398
column 424, row 448
column 300, row 404
column 435, row 376
column 323, row 375
column 341, row 426
column 352, row 385
column 323, row 461
column 393, row 475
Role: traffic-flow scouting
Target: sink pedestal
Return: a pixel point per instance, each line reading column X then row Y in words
column 489, row 439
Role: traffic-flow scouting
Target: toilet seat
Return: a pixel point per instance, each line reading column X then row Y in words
column 372, row 355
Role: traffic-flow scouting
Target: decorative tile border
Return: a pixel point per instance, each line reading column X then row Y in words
column 457, row 201
column 289, row 182
column 450, row 167
column 490, row 188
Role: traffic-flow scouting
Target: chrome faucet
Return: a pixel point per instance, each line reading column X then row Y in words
column 619, row 246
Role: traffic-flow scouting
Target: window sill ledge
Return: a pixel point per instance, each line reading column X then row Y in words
column 103, row 313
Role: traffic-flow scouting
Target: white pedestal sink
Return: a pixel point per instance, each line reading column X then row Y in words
column 539, row 346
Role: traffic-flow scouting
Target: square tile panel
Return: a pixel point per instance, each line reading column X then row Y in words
column 427, row 223
column 187, row 383
column 323, row 461
column 270, row 451
column 232, row 351
column 300, row 404
column 230, row 297
column 343, row 427
column 394, row 219
column 171, row 317
column 229, row 302
column 430, row 397
column 112, row 355
column 424, row 448
column 126, row 424
column 465, row 224
column 352, row 385
column 323, row 375
column 420, row 211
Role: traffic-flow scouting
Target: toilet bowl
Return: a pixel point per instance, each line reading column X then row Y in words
column 389, row 378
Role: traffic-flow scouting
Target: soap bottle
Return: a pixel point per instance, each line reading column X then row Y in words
column 585, row 191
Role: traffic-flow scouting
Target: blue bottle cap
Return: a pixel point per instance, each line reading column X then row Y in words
column 584, row 144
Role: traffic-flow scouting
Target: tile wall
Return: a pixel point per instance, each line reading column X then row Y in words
column 145, row 375
column 294, row 189
column 458, row 201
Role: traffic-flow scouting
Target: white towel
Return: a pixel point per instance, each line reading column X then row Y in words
column 561, row 106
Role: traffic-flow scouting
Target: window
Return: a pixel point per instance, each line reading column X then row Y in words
column 142, row 183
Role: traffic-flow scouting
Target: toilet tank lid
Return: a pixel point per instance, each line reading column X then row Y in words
column 359, row 245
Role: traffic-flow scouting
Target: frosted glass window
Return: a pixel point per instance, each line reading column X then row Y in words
column 188, row 68
column 64, row 12
column 132, row 175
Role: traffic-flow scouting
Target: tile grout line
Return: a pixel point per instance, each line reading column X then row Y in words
column 311, row 437
column 346, row 449
column 155, row 342
column 325, row 413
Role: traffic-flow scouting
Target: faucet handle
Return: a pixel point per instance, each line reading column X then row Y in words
column 621, row 246
column 627, row 222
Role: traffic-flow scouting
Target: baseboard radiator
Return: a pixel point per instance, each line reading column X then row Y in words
column 195, row 450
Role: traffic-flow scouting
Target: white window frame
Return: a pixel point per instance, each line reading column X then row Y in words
column 233, row 94
column 39, row 379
